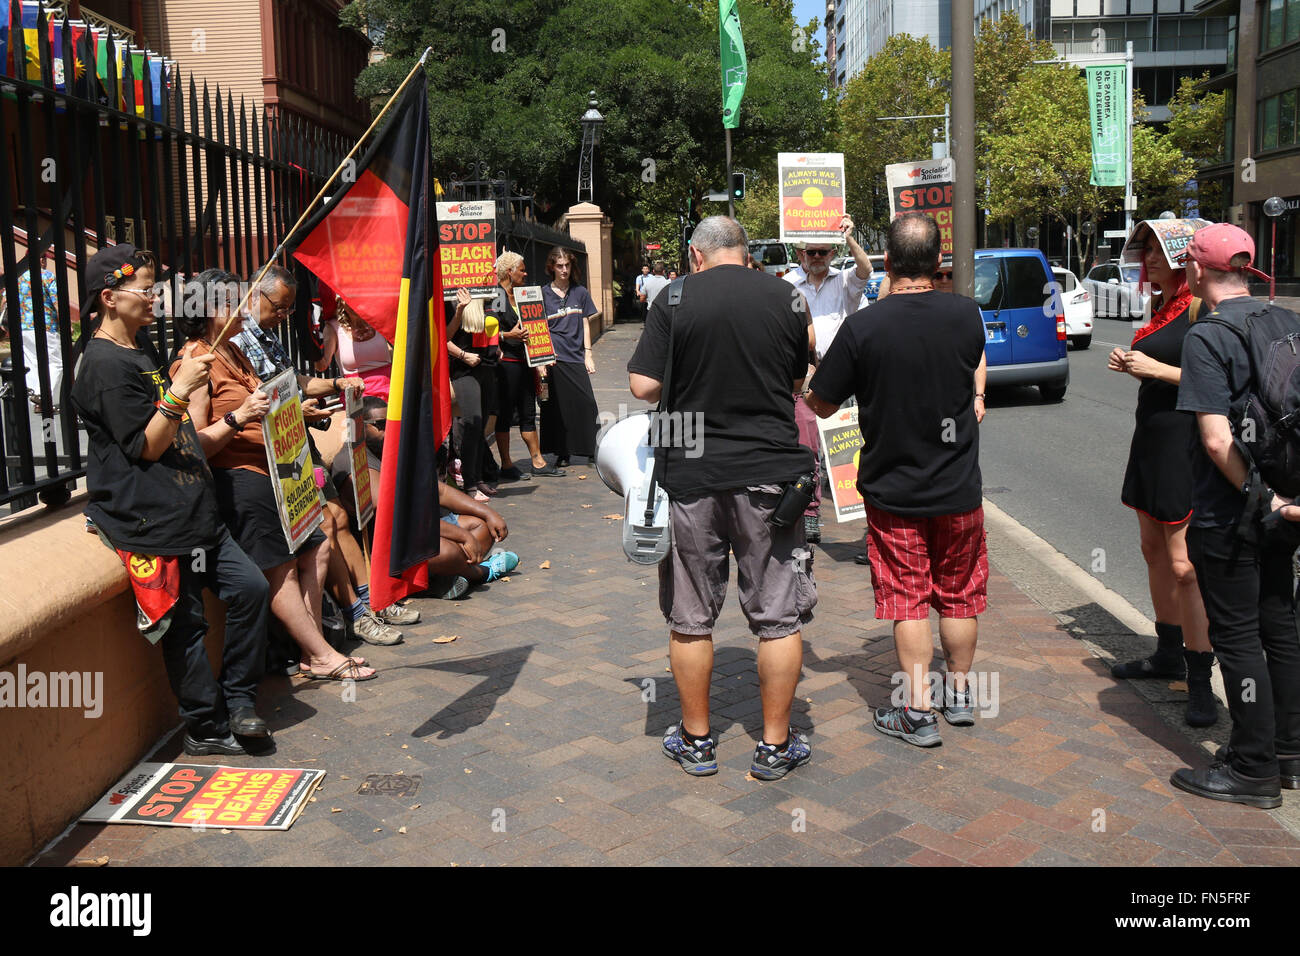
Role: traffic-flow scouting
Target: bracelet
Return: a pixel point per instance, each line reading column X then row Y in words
column 980, row 396
column 335, row 383
column 171, row 399
column 170, row 413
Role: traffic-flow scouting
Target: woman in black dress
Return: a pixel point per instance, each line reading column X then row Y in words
column 473, row 346
column 569, row 416
column 1158, row 485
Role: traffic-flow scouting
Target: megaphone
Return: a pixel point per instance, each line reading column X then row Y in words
column 625, row 461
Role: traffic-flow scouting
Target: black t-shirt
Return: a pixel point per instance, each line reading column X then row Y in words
column 164, row 507
column 503, row 307
column 739, row 345
column 910, row 360
column 1216, row 375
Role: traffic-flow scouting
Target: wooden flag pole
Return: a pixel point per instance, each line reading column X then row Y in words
column 307, row 211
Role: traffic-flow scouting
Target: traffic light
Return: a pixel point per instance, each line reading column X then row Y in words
column 737, row 185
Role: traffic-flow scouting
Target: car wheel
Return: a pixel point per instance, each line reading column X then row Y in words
column 1052, row 393
column 1081, row 341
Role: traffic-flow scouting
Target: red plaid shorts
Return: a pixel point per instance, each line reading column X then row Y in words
column 919, row 563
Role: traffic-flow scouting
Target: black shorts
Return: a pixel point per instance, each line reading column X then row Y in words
column 246, row 501
column 518, row 393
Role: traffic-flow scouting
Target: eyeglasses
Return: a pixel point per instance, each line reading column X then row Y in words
column 280, row 310
column 149, row 295
column 817, row 252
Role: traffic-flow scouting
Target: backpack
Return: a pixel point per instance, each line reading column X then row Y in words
column 1268, row 433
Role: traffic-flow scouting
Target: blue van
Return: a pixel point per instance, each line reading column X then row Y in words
column 1024, row 338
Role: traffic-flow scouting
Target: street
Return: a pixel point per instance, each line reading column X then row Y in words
column 1058, row 469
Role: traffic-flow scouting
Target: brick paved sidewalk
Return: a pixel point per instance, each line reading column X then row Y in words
column 534, row 744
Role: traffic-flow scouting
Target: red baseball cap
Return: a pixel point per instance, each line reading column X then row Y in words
column 1214, row 246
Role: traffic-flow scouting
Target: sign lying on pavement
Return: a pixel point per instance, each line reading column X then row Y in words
column 841, row 445
column 197, row 795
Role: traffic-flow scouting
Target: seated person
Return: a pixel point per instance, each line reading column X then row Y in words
column 469, row 529
column 361, row 351
column 152, row 497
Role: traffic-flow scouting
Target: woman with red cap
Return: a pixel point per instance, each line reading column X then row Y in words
column 1158, row 482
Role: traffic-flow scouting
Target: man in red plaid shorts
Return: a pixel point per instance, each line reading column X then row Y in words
column 915, row 362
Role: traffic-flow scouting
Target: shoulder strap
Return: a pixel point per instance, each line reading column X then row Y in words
column 674, row 293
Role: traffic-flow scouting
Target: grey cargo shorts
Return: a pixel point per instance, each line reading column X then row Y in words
column 777, row 591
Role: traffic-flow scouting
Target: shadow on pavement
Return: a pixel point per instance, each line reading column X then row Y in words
column 499, row 671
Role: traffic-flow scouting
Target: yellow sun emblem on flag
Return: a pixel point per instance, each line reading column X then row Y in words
column 143, row 566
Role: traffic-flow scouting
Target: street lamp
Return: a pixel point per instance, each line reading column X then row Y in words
column 591, row 124
column 1274, row 207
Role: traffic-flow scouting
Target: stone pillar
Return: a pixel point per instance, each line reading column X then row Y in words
column 587, row 224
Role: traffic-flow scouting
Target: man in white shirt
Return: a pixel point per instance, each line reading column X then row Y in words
column 642, row 305
column 654, row 284
column 831, row 296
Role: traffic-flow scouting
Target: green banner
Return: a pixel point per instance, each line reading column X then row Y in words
column 734, row 68
column 1108, row 104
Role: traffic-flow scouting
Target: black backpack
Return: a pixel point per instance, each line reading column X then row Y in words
column 1268, row 432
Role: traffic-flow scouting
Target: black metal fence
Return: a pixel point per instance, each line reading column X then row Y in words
column 517, row 227
column 199, row 179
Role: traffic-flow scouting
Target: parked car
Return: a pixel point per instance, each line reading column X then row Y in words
column 772, row 255
column 872, row 290
column 1115, row 292
column 1024, row 341
column 1078, row 308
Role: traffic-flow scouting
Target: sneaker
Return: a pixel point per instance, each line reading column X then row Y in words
column 499, row 564
column 772, row 764
column 958, row 708
column 916, row 727
column 697, row 759
column 812, row 529
column 374, row 631
column 448, row 587
column 396, row 614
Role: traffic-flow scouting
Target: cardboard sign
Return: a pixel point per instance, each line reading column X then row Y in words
column 288, row 459
column 467, row 248
column 812, row 196
column 538, row 345
column 924, row 187
column 355, row 448
column 841, row 441
column 202, row 796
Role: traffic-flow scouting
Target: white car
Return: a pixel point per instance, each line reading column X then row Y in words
column 1115, row 292
column 1078, row 307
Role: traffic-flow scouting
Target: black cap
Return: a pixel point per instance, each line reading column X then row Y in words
column 107, row 268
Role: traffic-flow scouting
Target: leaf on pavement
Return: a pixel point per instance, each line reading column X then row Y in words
column 446, row 638
column 544, row 566
column 613, row 517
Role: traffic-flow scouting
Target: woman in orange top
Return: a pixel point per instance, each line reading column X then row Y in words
column 227, row 415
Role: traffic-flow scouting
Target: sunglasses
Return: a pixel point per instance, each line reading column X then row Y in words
column 817, row 252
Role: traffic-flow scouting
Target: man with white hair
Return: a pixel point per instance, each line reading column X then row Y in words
column 732, row 349
column 831, row 295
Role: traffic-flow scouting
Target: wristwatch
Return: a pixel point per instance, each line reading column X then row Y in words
column 229, row 419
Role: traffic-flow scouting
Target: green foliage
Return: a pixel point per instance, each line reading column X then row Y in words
column 1196, row 128
column 653, row 65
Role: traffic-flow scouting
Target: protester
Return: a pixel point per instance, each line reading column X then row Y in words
column 655, row 284
column 473, row 344
column 738, row 348
column 829, row 295
column 362, row 352
column 1158, row 484
column 569, row 418
column 151, row 496
column 516, row 381
column 1243, row 568
column 233, row 442
column 919, row 469
column 467, row 557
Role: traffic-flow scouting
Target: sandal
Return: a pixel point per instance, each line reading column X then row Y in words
column 347, row 670
column 305, row 668
column 487, row 489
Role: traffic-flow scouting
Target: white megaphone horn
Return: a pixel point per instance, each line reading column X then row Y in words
column 625, row 461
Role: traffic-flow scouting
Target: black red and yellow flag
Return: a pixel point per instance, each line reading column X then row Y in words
column 372, row 243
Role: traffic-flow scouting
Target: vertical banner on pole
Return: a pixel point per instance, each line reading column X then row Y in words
column 735, row 69
column 1107, row 98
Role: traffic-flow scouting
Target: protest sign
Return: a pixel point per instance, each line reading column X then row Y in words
column 355, row 448
column 926, row 187
column 467, row 248
column 812, row 196
column 1174, row 236
column 841, row 446
column 540, row 348
column 288, row 459
column 200, row 795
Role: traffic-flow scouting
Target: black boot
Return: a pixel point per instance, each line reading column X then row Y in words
column 1166, row 662
column 1202, row 709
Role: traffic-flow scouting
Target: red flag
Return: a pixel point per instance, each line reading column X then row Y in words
column 373, row 245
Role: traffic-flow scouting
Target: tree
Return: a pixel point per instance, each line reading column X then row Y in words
column 908, row 77
column 1196, row 128
column 508, row 82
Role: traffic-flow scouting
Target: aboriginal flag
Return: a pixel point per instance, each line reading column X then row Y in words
column 372, row 243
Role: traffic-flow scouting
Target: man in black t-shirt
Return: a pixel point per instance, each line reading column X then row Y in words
column 738, row 346
column 1245, row 580
column 152, row 498
column 915, row 361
